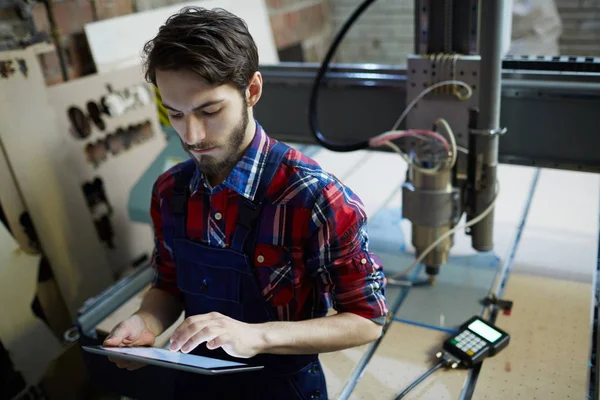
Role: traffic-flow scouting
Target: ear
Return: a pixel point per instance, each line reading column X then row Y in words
column 254, row 90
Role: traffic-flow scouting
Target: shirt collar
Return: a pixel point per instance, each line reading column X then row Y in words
column 245, row 176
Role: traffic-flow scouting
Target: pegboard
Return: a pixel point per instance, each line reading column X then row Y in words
column 109, row 128
column 547, row 357
column 50, row 167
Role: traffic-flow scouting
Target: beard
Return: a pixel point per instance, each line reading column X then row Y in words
column 213, row 168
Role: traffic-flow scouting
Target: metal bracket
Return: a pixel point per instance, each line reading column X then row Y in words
column 488, row 132
column 503, row 304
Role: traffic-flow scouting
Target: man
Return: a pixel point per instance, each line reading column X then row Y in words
column 253, row 240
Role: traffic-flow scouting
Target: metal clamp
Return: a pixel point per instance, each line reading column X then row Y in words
column 503, row 304
column 488, row 132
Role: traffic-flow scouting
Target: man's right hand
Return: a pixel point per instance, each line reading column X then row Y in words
column 132, row 332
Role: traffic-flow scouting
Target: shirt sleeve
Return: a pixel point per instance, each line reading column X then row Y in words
column 165, row 275
column 338, row 254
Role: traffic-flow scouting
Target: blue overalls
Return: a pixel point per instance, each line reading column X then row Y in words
column 222, row 280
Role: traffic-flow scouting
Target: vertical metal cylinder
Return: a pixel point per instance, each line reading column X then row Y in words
column 423, row 236
column 486, row 145
column 490, row 49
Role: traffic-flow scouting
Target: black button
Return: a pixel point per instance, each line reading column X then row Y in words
column 316, row 394
column 204, row 286
column 314, row 369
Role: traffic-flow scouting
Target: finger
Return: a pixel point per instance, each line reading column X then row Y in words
column 116, row 337
column 187, row 329
column 130, row 365
column 126, row 364
column 121, row 363
column 190, row 321
column 135, row 365
column 206, row 317
column 117, row 360
column 205, row 335
column 219, row 341
column 184, row 332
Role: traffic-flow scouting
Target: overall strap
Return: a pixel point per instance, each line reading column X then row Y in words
column 179, row 199
column 250, row 210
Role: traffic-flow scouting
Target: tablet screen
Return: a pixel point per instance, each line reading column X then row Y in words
column 175, row 357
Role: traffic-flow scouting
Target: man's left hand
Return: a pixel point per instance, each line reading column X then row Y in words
column 238, row 339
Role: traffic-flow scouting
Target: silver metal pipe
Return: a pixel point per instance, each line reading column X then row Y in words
column 486, row 144
column 490, row 49
column 425, row 234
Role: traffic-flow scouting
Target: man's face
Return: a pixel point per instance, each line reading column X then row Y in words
column 211, row 121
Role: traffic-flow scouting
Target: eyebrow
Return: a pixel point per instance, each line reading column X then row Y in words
column 207, row 104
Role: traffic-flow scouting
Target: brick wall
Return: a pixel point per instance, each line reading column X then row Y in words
column 306, row 24
column 581, row 27
column 384, row 33
column 70, row 17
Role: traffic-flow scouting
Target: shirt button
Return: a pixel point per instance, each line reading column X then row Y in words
column 218, row 216
column 363, row 261
column 260, row 259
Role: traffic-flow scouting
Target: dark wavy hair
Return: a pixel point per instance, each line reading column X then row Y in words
column 215, row 44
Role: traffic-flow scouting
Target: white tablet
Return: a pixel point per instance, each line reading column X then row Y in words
column 173, row 359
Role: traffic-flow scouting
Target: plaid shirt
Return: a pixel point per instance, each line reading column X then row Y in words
column 320, row 222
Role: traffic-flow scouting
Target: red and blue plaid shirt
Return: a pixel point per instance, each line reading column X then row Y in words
column 320, row 219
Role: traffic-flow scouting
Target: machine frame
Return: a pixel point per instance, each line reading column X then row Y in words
column 549, row 107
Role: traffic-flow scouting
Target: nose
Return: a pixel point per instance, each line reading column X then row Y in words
column 194, row 130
